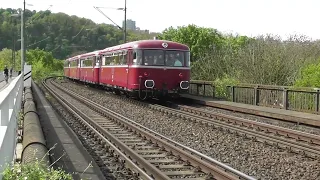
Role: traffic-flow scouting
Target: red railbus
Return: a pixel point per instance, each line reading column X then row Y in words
column 89, row 67
column 74, row 68
column 147, row 68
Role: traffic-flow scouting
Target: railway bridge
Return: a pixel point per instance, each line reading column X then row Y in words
column 90, row 148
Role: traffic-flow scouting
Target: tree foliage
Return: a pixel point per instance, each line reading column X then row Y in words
column 60, row 33
column 310, row 76
column 43, row 63
column 198, row 39
column 265, row 60
column 215, row 56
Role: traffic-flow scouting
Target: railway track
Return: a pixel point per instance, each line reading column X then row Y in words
column 291, row 140
column 147, row 153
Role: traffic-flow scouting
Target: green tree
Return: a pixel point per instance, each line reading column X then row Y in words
column 6, row 59
column 310, row 76
column 199, row 39
column 60, row 33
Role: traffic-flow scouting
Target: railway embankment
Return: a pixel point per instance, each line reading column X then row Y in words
column 223, row 144
column 67, row 151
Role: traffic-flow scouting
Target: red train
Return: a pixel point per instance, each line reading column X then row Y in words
column 147, row 68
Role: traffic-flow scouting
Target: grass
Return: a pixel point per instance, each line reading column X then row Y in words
column 38, row 170
column 34, row 171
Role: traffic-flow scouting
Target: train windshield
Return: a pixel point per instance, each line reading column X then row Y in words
column 171, row 58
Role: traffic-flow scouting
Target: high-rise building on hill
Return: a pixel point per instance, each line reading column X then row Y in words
column 131, row 25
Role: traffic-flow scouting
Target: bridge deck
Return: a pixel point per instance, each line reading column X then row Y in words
column 3, row 84
column 57, row 131
column 287, row 115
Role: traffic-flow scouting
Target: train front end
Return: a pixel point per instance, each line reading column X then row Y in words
column 160, row 69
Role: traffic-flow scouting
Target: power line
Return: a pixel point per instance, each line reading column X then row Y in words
column 73, row 36
column 36, row 17
column 38, row 41
column 81, row 29
column 97, row 8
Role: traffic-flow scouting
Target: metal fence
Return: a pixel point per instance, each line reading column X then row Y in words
column 282, row 97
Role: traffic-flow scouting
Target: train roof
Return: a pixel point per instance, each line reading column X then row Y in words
column 148, row 44
column 142, row 44
column 73, row 58
column 89, row 54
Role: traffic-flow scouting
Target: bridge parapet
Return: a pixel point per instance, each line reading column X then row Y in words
column 10, row 106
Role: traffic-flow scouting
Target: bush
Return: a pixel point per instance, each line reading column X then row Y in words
column 221, row 86
column 310, row 76
column 35, row 171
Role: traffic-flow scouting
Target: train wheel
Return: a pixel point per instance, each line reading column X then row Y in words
column 117, row 92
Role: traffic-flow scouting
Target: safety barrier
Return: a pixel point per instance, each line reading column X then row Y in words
column 34, row 144
column 10, row 105
column 303, row 99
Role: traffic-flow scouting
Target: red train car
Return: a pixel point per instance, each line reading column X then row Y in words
column 89, row 67
column 74, row 68
column 66, row 68
column 148, row 68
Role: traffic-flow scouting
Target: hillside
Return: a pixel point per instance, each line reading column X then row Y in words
column 60, row 33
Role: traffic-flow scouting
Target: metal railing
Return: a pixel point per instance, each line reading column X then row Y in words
column 282, row 97
column 10, row 106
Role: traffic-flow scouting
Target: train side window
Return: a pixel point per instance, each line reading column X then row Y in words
column 82, row 63
column 104, row 60
column 109, row 59
column 87, row 62
column 137, row 57
column 115, row 59
column 74, row 64
column 97, row 59
column 187, row 59
column 124, row 58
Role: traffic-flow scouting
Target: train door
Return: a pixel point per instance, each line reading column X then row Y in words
column 96, row 68
column 129, row 62
column 78, row 69
column 125, row 68
column 91, row 70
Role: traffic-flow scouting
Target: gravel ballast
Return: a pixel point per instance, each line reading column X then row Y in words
column 106, row 161
column 290, row 125
column 253, row 158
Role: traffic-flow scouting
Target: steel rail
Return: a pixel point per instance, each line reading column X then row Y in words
column 128, row 162
column 255, row 129
column 299, row 135
column 190, row 156
column 262, row 130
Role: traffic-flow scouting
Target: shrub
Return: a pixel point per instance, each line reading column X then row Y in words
column 34, row 171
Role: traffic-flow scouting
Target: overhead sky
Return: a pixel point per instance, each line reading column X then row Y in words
column 244, row 17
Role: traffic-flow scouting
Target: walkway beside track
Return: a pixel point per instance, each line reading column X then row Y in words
column 286, row 115
column 56, row 131
column 3, row 83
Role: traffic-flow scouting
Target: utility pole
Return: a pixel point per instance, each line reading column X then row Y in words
column 14, row 51
column 12, row 54
column 125, row 21
column 23, row 50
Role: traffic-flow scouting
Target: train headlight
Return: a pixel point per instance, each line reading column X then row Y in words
column 184, row 85
column 149, row 84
